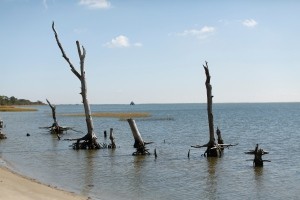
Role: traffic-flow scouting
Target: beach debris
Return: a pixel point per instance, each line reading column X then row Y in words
column 213, row 149
column 258, row 153
column 139, row 143
column 90, row 139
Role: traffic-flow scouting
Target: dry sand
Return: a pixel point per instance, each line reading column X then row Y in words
column 17, row 187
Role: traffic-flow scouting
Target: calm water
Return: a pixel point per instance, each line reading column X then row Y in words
column 116, row 174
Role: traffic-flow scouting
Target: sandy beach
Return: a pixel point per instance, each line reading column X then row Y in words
column 17, row 187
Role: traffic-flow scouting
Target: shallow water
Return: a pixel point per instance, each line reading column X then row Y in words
column 116, row 174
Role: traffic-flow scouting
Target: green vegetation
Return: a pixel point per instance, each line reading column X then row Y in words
column 7, row 101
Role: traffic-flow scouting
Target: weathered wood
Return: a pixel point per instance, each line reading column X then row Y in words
column 53, row 108
column 2, row 135
column 258, row 153
column 112, row 139
column 90, row 139
column 55, row 128
column 209, row 151
column 213, row 149
column 139, row 143
column 138, row 140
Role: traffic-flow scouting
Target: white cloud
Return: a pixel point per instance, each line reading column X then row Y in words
column 249, row 23
column 121, row 41
column 95, row 4
column 199, row 33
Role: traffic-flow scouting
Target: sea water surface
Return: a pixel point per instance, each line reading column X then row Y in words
column 116, row 174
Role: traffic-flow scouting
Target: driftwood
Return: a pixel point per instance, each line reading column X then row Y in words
column 258, row 153
column 139, row 143
column 90, row 139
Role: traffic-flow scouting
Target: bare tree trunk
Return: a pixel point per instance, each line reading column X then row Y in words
column 90, row 138
column 139, row 143
column 55, row 128
column 53, row 108
column 210, row 152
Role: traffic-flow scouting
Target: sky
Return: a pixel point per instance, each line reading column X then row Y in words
column 151, row 51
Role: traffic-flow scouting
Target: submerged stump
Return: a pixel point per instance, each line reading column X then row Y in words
column 258, row 153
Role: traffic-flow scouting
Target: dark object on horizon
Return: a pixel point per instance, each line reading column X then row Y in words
column 27, row 134
column 132, row 103
column 1, row 124
column 258, row 153
column 105, row 134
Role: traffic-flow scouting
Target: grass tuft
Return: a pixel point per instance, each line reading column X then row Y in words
column 15, row 109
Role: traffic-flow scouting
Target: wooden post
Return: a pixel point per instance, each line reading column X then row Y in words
column 112, row 139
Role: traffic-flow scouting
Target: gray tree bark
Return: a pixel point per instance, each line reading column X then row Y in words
column 139, row 143
column 210, row 152
column 90, row 137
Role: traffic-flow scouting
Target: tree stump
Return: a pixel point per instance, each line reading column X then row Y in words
column 112, row 145
column 258, row 153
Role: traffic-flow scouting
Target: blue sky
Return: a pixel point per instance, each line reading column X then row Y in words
column 151, row 51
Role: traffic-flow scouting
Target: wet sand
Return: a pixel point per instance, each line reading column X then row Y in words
column 17, row 187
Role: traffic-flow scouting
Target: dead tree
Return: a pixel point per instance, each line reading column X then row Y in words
column 139, row 143
column 55, row 128
column 213, row 149
column 90, row 139
column 258, row 153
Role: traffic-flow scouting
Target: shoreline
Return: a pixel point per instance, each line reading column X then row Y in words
column 14, row 186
